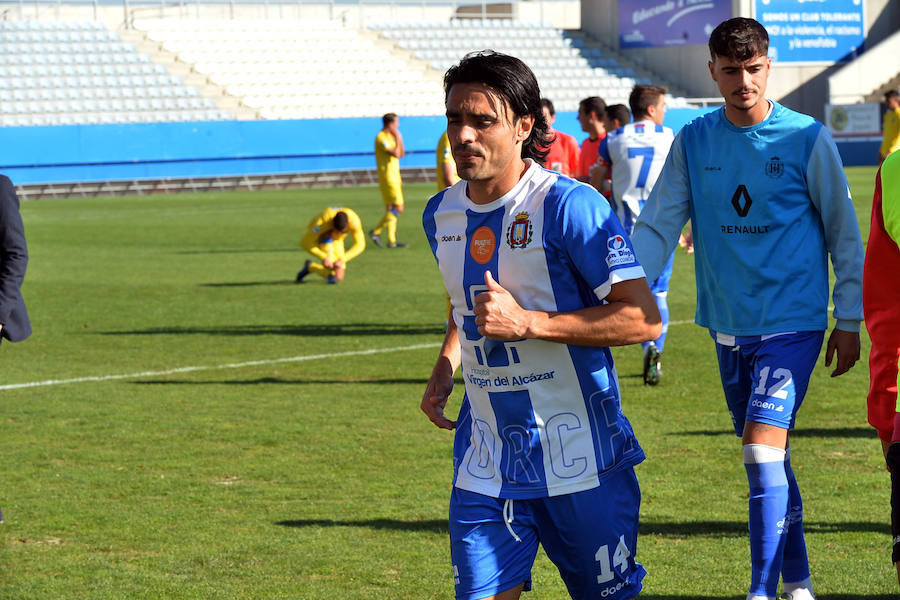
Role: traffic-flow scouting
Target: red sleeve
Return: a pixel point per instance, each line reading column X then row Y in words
column 574, row 156
column 881, row 306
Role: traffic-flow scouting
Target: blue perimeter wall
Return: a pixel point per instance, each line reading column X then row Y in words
column 60, row 154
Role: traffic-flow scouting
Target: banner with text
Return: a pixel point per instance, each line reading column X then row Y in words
column 854, row 120
column 812, row 30
column 646, row 23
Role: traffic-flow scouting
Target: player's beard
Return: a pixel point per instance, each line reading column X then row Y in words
column 753, row 101
column 469, row 170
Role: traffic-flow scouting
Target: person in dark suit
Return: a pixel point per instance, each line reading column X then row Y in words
column 14, row 323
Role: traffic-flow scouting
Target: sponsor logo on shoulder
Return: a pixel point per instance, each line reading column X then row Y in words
column 619, row 252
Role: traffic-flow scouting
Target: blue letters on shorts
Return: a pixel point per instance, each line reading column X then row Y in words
column 591, row 536
column 765, row 378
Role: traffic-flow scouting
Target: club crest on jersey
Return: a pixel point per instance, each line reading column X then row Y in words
column 775, row 167
column 619, row 252
column 518, row 234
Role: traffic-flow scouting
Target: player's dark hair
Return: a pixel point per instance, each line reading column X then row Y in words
column 891, row 94
column 516, row 85
column 619, row 112
column 548, row 104
column 739, row 39
column 340, row 221
column 594, row 104
column 642, row 97
column 388, row 119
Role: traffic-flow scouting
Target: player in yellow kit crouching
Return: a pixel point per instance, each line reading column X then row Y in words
column 324, row 239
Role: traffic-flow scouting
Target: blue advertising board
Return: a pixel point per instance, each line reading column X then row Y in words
column 69, row 153
column 812, row 31
column 647, row 23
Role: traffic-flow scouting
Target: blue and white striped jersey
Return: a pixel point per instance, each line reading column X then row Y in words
column 539, row 418
column 768, row 203
column 637, row 153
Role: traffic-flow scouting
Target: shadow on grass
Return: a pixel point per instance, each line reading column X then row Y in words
column 691, row 596
column 348, row 329
column 230, row 284
column 432, row 526
column 742, row 597
column 857, row 596
column 280, row 381
column 739, row 528
column 698, row 528
column 240, row 251
column 802, row 432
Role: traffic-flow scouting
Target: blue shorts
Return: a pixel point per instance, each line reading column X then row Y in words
column 765, row 379
column 591, row 536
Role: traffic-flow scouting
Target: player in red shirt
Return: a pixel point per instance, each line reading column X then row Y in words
column 882, row 313
column 591, row 115
column 563, row 154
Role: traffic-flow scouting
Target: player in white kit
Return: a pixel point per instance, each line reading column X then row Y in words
column 635, row 154
column 542, row 279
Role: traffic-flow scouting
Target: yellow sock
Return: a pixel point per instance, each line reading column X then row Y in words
column 391, row 225
column 381, row 224
column 320, row 269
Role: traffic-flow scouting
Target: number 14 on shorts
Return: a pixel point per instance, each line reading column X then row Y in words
column 618, row 559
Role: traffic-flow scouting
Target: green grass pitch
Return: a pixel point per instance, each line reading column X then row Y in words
column 203, row 428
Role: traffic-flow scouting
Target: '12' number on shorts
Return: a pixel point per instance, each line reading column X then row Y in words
column 619, row 560
column 782, row 378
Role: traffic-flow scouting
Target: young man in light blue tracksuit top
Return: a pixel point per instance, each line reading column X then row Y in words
column 766, row 194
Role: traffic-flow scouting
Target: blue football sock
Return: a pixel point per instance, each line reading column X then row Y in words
column 795, row 567
column 663, row 307
column 768, row 511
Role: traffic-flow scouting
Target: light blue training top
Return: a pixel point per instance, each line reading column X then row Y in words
column 767, row 203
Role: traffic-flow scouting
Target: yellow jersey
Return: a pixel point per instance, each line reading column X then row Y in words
column 891, row 141
column 388, row 168
column 319, row 234
column 445, row 157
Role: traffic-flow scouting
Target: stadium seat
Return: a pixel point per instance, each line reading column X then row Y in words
column 262, row 61
column 563, row 62
column 77, row 72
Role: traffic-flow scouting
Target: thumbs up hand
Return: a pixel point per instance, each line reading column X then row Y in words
column 498, row 315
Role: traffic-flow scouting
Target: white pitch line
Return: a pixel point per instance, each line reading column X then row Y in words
column 250, row 363
column 240, row 365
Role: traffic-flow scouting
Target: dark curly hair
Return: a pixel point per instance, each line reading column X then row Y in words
column 739, row 39
column 514, row 82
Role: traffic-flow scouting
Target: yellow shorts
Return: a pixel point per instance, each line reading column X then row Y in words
column 392, row 194
column 334, row 250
